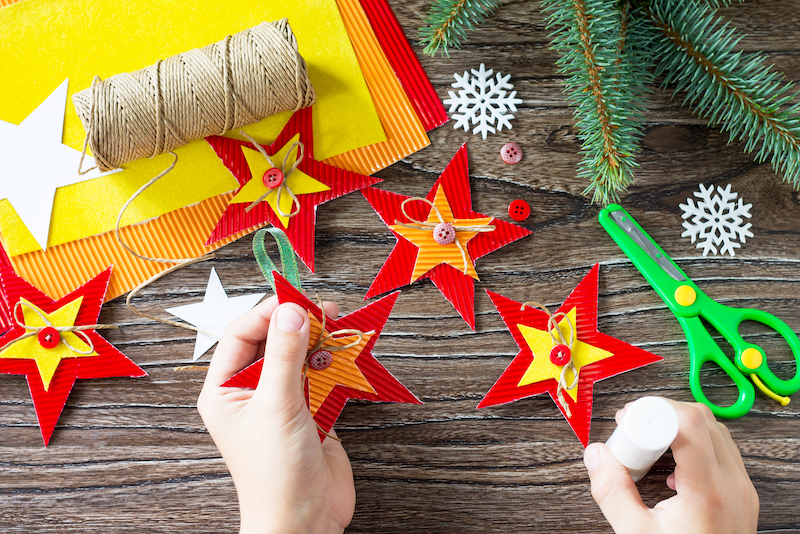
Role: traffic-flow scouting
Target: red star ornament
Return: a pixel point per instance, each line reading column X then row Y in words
column 448, row 275
column 51, row 372
column 300, row 229
column 582, row 302
column 327, row 408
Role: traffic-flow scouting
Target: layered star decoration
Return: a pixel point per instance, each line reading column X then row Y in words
column 538, row 367
column 312, row 183
column 34, row 163
column 53, row 360
column 419, row 254
column 334, row 376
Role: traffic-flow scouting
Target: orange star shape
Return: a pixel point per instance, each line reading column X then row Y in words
column 343, row 370
column 431, row 253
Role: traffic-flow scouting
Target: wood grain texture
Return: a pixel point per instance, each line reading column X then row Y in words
column 133, row 455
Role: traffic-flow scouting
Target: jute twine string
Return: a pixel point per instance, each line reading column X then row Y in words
column 430, row 226
column 322, row 344
column 226, row 85
column 31, row 330
column 553, row 330
column 284, row 187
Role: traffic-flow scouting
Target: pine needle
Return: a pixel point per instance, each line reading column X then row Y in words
column 736, row 91
column 448, row 21
column 605, row 84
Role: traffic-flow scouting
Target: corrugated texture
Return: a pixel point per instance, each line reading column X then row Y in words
column 301, row 228
column 178, row 234
column 4, row 3
column 584, row 297
column 371, row 317
column 343, row 370
column 5, row 310
column 430, row 253
column 405, row 63
column 109, row 361
column 405, row 133
column 60, row 268
column 457, row 287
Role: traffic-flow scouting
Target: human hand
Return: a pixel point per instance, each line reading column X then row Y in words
column 286, row 480
column 714, row 493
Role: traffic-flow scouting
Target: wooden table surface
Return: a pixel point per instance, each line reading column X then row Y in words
column 133, row 455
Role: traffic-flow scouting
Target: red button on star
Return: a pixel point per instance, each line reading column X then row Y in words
column 560, row 354
column 49, row 337
column 511, row 153
column 273, row 178
column 519, row 210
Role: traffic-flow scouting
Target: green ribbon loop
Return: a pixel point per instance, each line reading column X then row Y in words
column 288, row 259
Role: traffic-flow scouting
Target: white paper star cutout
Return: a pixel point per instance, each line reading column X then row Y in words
column 34, row 163
column 215, row 313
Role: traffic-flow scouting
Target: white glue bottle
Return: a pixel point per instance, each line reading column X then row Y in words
column 645, row 432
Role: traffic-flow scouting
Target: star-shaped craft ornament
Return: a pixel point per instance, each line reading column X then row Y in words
column 342, row 367
column 277, row 189
column 214, row 313
column 543, row 357
column 439, row 238
column 47, row 345
column 34, row 163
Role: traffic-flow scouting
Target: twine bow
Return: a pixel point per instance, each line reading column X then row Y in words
column 284, row 187
column 32, row 331
column 552, row 325
column 430, row 226
column 322, row 344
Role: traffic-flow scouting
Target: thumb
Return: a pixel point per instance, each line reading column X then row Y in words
column 280, row 385
column 615, row 491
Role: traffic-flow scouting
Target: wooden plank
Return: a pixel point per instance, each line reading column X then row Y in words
column 133, row 455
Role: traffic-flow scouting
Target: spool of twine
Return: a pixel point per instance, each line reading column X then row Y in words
column 238, row 81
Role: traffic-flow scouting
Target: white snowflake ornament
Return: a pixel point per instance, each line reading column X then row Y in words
column 716, row 220
column 483, row 101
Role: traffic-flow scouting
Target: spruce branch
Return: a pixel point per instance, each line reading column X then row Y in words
column 695, row 51
column 604, row 85
column 448, row 22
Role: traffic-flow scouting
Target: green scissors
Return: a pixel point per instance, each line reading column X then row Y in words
column 689, row 304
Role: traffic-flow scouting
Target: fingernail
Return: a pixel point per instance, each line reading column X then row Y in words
column 591, row 459
column 288, row 320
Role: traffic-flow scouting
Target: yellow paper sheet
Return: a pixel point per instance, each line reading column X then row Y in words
column 43, row 42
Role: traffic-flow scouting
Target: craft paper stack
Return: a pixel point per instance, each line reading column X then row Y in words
column 374, row 106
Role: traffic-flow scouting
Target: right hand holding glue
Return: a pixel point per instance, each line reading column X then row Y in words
column 714, row 493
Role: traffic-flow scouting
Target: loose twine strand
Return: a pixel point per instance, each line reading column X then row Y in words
column 226, row 85
column 430, row 226
column 552, row 326
column 78, row 330
column 322, row 344
column 286, row 173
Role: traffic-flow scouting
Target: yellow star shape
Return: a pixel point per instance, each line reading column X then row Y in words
column 342, row 372
column 540, row 342
column 47, row 360
column 299, row 182
column 430, row 253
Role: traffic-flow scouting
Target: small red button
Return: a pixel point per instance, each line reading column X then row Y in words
column 519, row 210
column 273, row 178
column 511, row 153
column 444, row 233
column 560, row 354
column 49, row 337
column 320, row 360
